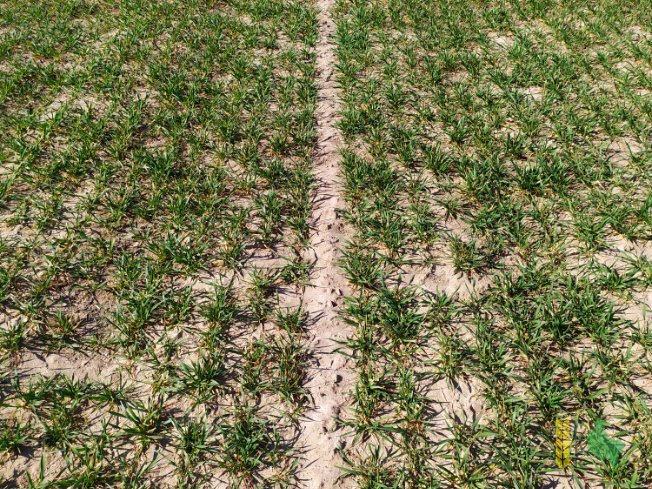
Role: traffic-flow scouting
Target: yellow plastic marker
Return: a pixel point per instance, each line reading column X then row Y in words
column 562, row 442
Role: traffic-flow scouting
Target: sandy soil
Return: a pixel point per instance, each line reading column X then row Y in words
column 330, row 377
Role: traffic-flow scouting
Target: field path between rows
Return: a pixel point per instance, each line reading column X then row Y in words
column 330, row 377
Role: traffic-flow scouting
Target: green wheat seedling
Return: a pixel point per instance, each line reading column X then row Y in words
column 13, row 436
column 195, row 439
column 250, row 444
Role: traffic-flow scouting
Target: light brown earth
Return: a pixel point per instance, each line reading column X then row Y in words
column 330, row 376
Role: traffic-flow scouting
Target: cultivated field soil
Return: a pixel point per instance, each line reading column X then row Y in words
column 325, row 243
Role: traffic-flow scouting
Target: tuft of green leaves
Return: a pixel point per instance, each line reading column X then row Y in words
column 602, row 447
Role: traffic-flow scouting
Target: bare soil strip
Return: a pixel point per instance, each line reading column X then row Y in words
column 329, row 376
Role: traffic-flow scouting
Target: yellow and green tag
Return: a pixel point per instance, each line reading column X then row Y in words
column 562, row 442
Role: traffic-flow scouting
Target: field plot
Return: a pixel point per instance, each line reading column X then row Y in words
column 497, row 173
column 155, row 186
column 191, row 297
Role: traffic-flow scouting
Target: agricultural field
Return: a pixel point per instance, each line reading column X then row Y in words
column 325, row 243
column 497, row 173
column 156, row 191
